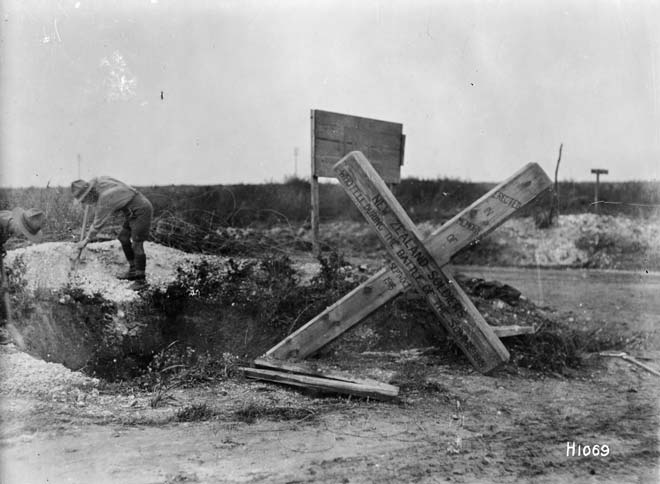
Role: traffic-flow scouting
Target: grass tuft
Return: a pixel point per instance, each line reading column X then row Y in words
column 252, row 412
column 195, row 413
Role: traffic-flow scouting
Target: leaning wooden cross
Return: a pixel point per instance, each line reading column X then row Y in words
column 413, row 262
column 470, row 225
column 466, row 228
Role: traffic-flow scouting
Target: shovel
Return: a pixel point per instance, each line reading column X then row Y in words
column 15, row 335
column 76, row 261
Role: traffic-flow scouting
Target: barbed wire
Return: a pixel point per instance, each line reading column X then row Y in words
column 648, row 205
column 171, row 230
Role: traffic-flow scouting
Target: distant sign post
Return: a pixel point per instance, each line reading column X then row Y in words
column 598, row 172
column 335, row 135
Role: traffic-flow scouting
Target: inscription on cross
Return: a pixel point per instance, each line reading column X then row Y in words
column 411, row 257
column 486, row 214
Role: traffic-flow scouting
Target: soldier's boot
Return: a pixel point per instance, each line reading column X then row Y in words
column 129, row 275
column 140, row 280
column 130, row 257
column 140, row 267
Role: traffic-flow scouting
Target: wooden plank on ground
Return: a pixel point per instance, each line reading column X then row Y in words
column 513, row 330
column 379, row 392
column 413, row 261
column 479, row 219
column 312, row 369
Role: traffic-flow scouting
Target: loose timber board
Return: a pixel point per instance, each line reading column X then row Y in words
column 313, row 369
column 473, row 223
column 379, row 391
column 412, row 261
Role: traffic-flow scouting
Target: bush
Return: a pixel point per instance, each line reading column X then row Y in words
column 247, row 306
column 613, row 243
column 557, row 348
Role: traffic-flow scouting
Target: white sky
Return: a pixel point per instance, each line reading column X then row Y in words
column 481, row 87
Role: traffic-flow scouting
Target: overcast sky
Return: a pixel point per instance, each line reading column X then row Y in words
column 480, row 87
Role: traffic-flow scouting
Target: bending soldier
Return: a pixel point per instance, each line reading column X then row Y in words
column 109, row 196
column 21, row 222
column 17, row 222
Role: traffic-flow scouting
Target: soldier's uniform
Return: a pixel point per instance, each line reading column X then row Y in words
column 110, row 196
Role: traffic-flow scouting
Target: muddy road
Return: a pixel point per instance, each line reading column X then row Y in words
column 626, row 298
column 452, row 425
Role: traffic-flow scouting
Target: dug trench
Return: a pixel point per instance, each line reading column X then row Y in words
column 201, row 306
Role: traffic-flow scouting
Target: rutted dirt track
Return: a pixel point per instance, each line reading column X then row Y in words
column 507, row 429
column 458, row 426
column 628, row 298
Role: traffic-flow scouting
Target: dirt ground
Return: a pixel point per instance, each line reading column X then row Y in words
column 458, row 426
column 450, row 423
column 466, row 428
column 463, row 427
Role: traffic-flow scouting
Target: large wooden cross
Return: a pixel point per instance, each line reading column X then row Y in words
column 413, row 263
column 468, row 227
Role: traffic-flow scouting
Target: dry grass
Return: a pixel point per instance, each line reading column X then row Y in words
column 252, row 412
column 63, row 216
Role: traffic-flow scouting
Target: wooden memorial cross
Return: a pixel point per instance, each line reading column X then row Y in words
column 415, row 263
column 470, row 225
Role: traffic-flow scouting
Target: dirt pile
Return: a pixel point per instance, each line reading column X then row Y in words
column 582, row 240
column 83, row 316
column 46, row 379
column 49, row 266
column 585, row 240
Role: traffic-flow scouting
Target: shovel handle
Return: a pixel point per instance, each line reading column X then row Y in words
column 84, row 224
column 5, row 293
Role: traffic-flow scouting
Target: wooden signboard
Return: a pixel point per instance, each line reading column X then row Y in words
column 467, row 227
column 334, row 135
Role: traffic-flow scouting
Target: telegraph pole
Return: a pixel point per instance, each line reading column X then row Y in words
column 295, row 162
column 79, row 164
